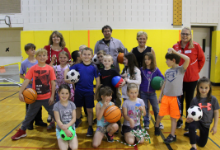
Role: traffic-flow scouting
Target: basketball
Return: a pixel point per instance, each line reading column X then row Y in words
column 112, row 114
column 120, row 58
column 30, row 95
column 116, row 81
column 157, row 82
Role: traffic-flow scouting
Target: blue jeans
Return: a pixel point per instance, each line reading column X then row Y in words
column 153, row 100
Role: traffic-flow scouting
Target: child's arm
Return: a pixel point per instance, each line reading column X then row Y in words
column 161, row 92
column 214, row 128
column 22, row 76
column 24, row 85
column 65, row 72
column 131, row 121
column 186, row 58
column 137, row 76
column 53, row 87
column 100, row 110
column 66, row 126
column 142, row 109
column 97, row 84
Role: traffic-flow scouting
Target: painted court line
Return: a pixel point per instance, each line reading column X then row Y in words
column 10, row 132
column 9, row 96
column 58, row 148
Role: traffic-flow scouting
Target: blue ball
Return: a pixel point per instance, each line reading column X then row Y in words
column 116, row 81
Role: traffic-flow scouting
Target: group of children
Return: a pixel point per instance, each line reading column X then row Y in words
column 51, row 85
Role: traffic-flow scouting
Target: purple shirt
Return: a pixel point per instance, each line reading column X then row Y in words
column 147, row 75
column 25, row 66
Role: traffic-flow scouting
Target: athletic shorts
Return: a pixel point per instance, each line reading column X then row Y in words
column 58, row 133
column 102, row 129
column 126, row 129
column 82, row 98
column 170, row 106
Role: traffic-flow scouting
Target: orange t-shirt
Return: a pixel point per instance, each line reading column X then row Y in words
column 42, row 77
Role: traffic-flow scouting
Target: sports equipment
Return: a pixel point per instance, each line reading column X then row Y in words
column 195, row 113
column 30, row 95
column 73, row 76
column 65, row 137
column 112, row 114
column 95, row 59
column 116, row 81
column 120, row 58
column 157, row 82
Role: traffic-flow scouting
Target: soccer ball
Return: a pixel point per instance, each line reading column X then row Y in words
column 73, row 76
column 195, row 112
column 95, row 59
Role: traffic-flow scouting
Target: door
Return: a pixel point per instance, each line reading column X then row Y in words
column 201, row 35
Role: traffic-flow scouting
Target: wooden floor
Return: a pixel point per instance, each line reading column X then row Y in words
column 13, row 112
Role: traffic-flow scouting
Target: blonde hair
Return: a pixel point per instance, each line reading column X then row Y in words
column 41, row 51
column 87, row 49
column 62, row 43
column 64, row 53
column 132, row 86
column 142, row 33
column 107, row 55
column 191, row 40
column 81, row 47
column 101, row 52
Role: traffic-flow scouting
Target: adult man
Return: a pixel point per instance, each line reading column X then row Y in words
column 110, row 45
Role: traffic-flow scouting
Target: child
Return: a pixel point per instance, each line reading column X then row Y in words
column 65, row 115
column 84, row 88
column 170, row 90
column 148, row 72
column 44, row 83
column 100, row 56
column 203, row 98
column 132, row 114
column 76, row 57
column 104, row 96
column 130, row 73
column 25, row 66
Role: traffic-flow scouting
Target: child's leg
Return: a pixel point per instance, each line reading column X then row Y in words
column 63, row 145
column 48, row 107
column 118, row 98
column 159, row 118
column 129, row 138
column 112, row 128
column 153, row 101
column 192, row 133
column 73, row 143
column 173, row 126
column 142, row 140
column 78, row 112
column 143, row 96
column 90, row 116
column 97, row 139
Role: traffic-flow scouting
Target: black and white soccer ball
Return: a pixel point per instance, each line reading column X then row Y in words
column 95, row 59
column 73, row 76
column 195, row 112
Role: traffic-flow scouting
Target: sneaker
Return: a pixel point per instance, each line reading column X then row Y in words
column 30, row 127
column 161, row 126
column 186, row 127
column 117, row 131
column 146, row 127
column 78, row 122
column 186, row 134
column 122, row 133
column 51, row 126
column 179, row 123
column 49, row 119
column 20, row 133
column 89, row 131
column 193, row 148
column 157, row 131
column 109, row 138
column 40, row 123
column 170, row 139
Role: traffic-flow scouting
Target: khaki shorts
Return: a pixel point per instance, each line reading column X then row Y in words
column 102, row 129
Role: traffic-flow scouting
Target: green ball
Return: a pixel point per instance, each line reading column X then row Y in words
column 157, row 82
column 65, row 137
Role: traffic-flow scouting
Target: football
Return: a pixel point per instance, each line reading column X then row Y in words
column 195, row 112
column 95, row 59
column 73, row 76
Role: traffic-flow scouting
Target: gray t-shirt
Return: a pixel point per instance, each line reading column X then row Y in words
column 65, row 112
column 208, row 115
column 174, row 81
column 133, row 111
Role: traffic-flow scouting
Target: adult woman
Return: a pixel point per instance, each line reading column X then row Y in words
column 56, row 45
column 197, row 59
column 141, row 49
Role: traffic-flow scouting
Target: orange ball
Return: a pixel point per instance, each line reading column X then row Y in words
column 120, row 58
column 112, row 114
column 30, row 95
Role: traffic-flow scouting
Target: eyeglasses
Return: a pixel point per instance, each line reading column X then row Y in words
column 185, row 34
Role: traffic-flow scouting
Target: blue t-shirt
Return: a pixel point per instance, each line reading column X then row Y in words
column 25, row 66
column 87, row 74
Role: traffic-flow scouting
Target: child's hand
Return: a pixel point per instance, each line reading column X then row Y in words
column 106, row 103
column 122, row 84
column 131, row 121
column 69, row 82
column 141, row 108
column 124, row 75
column 170, row 50
column 68, row 133
column 53, row 58
column 51, row 100
column 21, row 97
column 159, row 100
column 213, row 130
column 189, row 120
column 64, row 127
column 30, row 82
